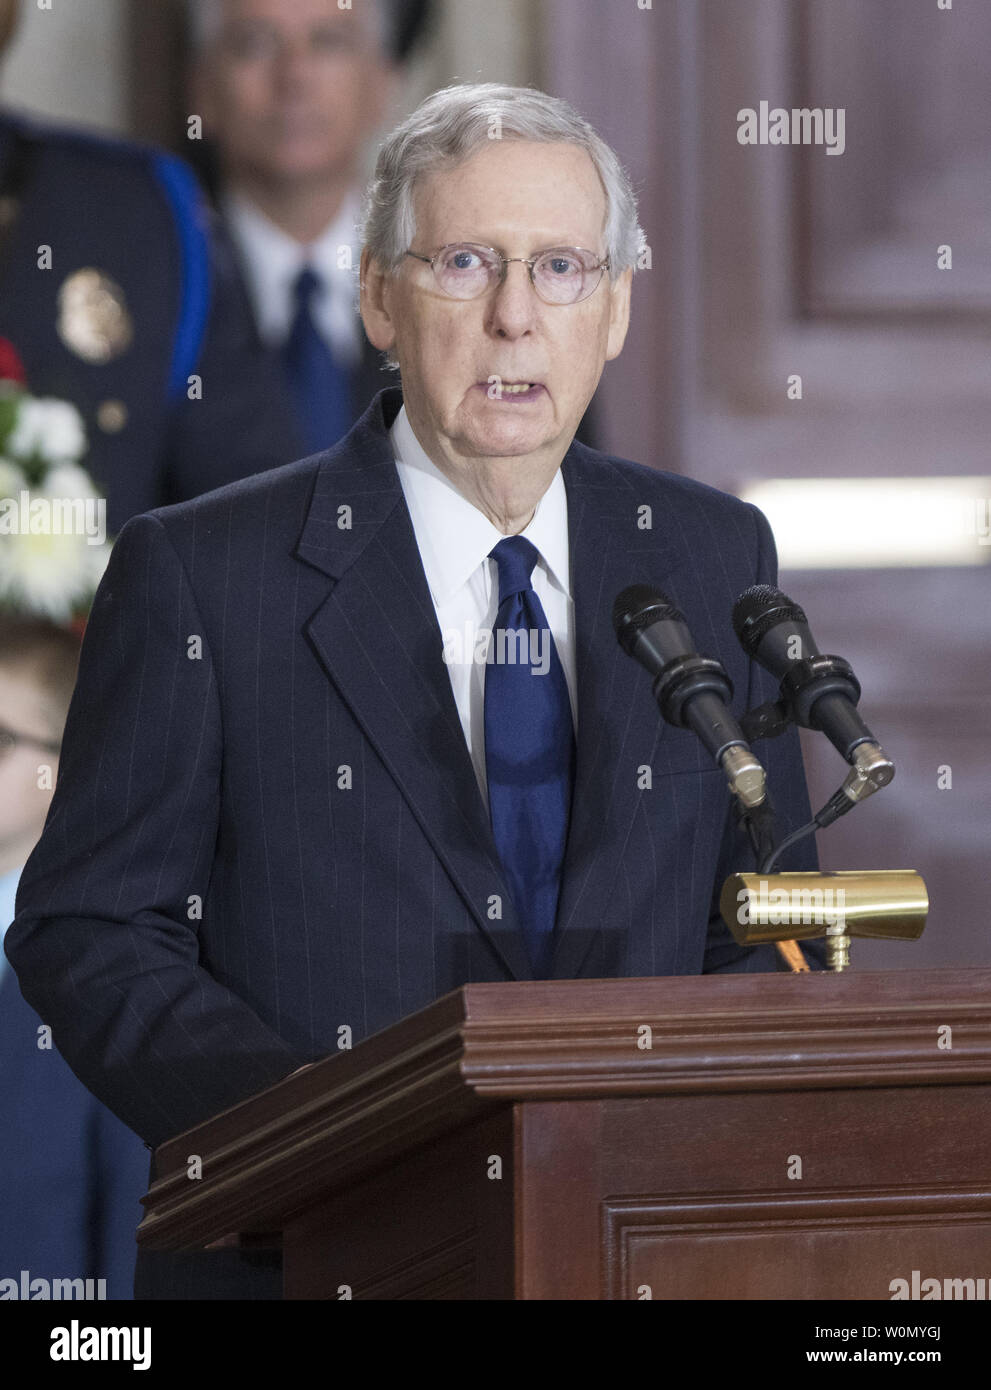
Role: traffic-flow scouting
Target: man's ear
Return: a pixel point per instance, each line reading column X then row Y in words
column 619, row 314
column 373, row 303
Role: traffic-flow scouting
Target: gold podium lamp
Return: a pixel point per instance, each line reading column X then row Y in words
column 835, row 907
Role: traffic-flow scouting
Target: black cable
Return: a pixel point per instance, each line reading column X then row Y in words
column 837, row 805
column 768, row 863
column 760, row 827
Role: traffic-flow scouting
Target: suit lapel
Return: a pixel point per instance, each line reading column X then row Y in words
column 378, row 639
column 608, row 553
column 377, row 636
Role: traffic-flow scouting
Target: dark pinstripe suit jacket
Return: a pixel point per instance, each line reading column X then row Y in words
column 266, row 822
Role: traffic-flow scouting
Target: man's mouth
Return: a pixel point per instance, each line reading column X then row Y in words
column 512, row 390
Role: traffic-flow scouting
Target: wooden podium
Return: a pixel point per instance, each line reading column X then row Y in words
column 726, row 1137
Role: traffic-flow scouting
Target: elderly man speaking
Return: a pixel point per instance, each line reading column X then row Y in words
column 307, row 781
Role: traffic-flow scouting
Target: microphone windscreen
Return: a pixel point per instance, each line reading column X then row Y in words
column 760, row 608
column 639, row 606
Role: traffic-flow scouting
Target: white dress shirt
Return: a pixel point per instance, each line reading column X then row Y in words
column 454, row 540
column 272, row 261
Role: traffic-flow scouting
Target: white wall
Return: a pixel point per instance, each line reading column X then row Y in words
column 68, row 61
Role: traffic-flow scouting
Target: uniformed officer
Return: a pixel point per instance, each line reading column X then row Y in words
column 120, row 297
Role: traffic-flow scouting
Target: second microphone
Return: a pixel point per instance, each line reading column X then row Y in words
column 693, row 691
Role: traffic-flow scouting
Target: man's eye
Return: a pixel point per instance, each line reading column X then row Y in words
column 464, row 260
column 562, row 265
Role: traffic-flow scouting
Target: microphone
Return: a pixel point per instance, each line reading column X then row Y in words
column 693, row 691
column 819, row 692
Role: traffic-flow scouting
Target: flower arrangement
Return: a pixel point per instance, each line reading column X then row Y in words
column 53, row 542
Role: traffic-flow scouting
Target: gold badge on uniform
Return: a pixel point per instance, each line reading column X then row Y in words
column 111, row 416
column 93, row 318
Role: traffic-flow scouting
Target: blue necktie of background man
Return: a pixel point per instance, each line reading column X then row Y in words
column 320, row 387
column 529, row 748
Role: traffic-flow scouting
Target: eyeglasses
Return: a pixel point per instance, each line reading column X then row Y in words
column 10, row 739
column 563, row 275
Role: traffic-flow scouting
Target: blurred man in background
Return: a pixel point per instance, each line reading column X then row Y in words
column 71, row 1174
column 291, row 96
column 119, row 298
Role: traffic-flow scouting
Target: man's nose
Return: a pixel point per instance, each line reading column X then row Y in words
column 515, row 304
column 293, row 61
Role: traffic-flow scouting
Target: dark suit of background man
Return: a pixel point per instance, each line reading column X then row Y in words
column 141, row 294
column 324, row 810
column 291, row 96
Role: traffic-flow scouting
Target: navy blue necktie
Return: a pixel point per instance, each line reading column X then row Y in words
column 529, row 748
column 321, row 389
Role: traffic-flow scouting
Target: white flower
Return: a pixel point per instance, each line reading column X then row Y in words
column 53, row 546
column 49, row 429
column 68, row 480
column 52, row 556
column 49, row 574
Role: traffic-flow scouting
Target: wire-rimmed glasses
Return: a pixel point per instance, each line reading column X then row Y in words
column 560, row 275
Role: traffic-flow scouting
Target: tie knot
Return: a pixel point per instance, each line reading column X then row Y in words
column 306, row 285
column 515, row 557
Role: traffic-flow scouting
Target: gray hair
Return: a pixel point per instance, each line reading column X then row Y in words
column 450, row 126
column 205, row 19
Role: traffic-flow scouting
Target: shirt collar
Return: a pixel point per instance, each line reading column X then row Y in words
column 453, row 536
column 272, row 259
